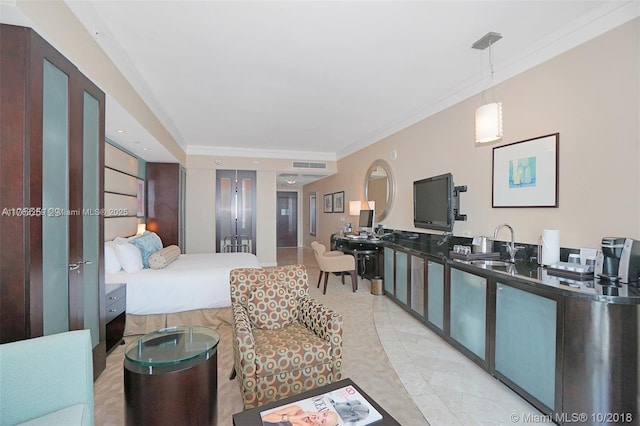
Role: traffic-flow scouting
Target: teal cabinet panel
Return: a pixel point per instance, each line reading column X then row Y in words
column 526, row 341
column 417, row 285
column 435, row 294
column 401, row 276
column 468, row 316
column 389, row 260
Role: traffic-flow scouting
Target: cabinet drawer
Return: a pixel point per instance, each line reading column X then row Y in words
column 114, row 296
column 116, row 309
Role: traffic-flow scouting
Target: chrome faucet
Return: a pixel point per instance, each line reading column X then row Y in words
column 511, row 248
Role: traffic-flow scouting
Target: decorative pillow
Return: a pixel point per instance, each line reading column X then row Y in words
column 111, row 264
column 162, row 258
column 155, row 237
column 271, row 306
column 147, row 243
column 129, row 257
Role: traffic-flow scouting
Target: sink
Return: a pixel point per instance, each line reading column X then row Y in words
column 491, row 264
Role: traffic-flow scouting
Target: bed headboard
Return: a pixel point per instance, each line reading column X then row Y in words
column 120, row 193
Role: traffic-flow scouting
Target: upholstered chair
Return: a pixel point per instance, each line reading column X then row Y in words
column 47, row 380
column 284, row 342
column 328, row 262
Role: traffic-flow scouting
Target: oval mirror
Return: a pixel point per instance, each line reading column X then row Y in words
column 379, row 186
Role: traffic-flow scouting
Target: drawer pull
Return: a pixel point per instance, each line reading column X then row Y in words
column 113, row 310
column 113, row 297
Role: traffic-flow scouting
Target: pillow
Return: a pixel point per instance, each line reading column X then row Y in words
column 148, row 244
column 162, row 258
column 111, row 264
column 272, row 306
column 129, row 257
column 123, row 240
column 155, row 237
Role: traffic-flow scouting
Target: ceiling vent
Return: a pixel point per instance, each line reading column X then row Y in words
column 309, row 165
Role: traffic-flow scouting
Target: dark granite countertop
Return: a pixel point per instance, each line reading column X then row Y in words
column 525, row 271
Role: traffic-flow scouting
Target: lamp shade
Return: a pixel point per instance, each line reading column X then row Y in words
column 489, row 122
column 354, row 208
column 372, row 205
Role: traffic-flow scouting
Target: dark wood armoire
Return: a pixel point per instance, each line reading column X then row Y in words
column 51, row 194
column 166, row 202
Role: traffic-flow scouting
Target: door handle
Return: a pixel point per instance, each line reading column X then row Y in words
column 75, row 266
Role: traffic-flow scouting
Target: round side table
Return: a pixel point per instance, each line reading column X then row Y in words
column 170, row 377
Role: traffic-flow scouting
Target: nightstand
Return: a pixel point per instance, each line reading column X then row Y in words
column 116, row 303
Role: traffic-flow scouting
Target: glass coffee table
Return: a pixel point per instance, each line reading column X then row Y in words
column 170, row 377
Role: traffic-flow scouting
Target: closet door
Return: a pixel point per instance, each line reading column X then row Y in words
column 56, row 313
column 235, row 211
column 87, row 249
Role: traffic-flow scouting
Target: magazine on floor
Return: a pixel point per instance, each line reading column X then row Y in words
column 344, row 407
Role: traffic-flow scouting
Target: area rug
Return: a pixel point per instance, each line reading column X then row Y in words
column 364, row 360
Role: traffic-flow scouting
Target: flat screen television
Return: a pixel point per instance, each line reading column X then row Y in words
column 365, row 221
column 433, row 203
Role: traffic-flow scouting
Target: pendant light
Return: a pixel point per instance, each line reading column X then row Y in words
column 488, row 116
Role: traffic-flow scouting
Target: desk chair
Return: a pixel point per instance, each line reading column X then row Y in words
column 334, row 263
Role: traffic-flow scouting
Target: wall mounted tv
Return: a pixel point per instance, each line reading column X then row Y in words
column 434, row 204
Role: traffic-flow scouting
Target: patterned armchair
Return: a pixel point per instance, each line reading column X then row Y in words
column 284, row 342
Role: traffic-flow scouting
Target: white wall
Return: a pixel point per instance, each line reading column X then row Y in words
column 200, row 210
column 201, row 195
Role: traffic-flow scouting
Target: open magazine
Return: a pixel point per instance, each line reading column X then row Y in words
column 344, row 407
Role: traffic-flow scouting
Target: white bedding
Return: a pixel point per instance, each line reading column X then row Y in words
column 193, row 281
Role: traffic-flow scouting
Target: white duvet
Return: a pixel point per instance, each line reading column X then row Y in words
column 193, row 281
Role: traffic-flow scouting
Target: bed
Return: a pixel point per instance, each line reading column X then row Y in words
column 193, row 289
column 192, row 281
column 184, row 288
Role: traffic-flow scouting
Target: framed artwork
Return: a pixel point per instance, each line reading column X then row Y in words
column 328, row 203
column 140, row 201
column 525, row 173
column 312, row 214
column 338, row 202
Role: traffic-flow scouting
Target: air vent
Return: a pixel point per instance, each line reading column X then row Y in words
column 308, row 165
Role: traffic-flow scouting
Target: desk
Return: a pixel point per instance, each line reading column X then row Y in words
column 171, row 378
column 368, row 253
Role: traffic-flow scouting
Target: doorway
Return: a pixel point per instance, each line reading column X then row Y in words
column 236, row 211
column 287, row 219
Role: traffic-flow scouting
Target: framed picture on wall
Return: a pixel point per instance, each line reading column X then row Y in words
column 328, row 203
column 525, row 173
column 338, row 202
column 312, row 214
column 140, row 199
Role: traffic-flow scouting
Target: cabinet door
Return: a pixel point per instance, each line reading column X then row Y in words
column 389, row 262
column 435, row 294
column 468, row 313
column 526, row 341
column 401, row 276
column 417, row 285
column 92, row 201
column 56, row 315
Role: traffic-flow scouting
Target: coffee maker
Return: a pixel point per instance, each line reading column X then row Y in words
column 619, row 260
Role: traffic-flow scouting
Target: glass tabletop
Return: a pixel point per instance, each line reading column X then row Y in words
column 172, row 345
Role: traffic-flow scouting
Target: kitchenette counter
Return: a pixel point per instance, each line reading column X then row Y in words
column 525, row 271
column 568, row 346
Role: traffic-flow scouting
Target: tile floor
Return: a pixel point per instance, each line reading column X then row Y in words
column 446, row 386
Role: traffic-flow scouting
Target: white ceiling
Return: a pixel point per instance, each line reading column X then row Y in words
column 319, row 79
